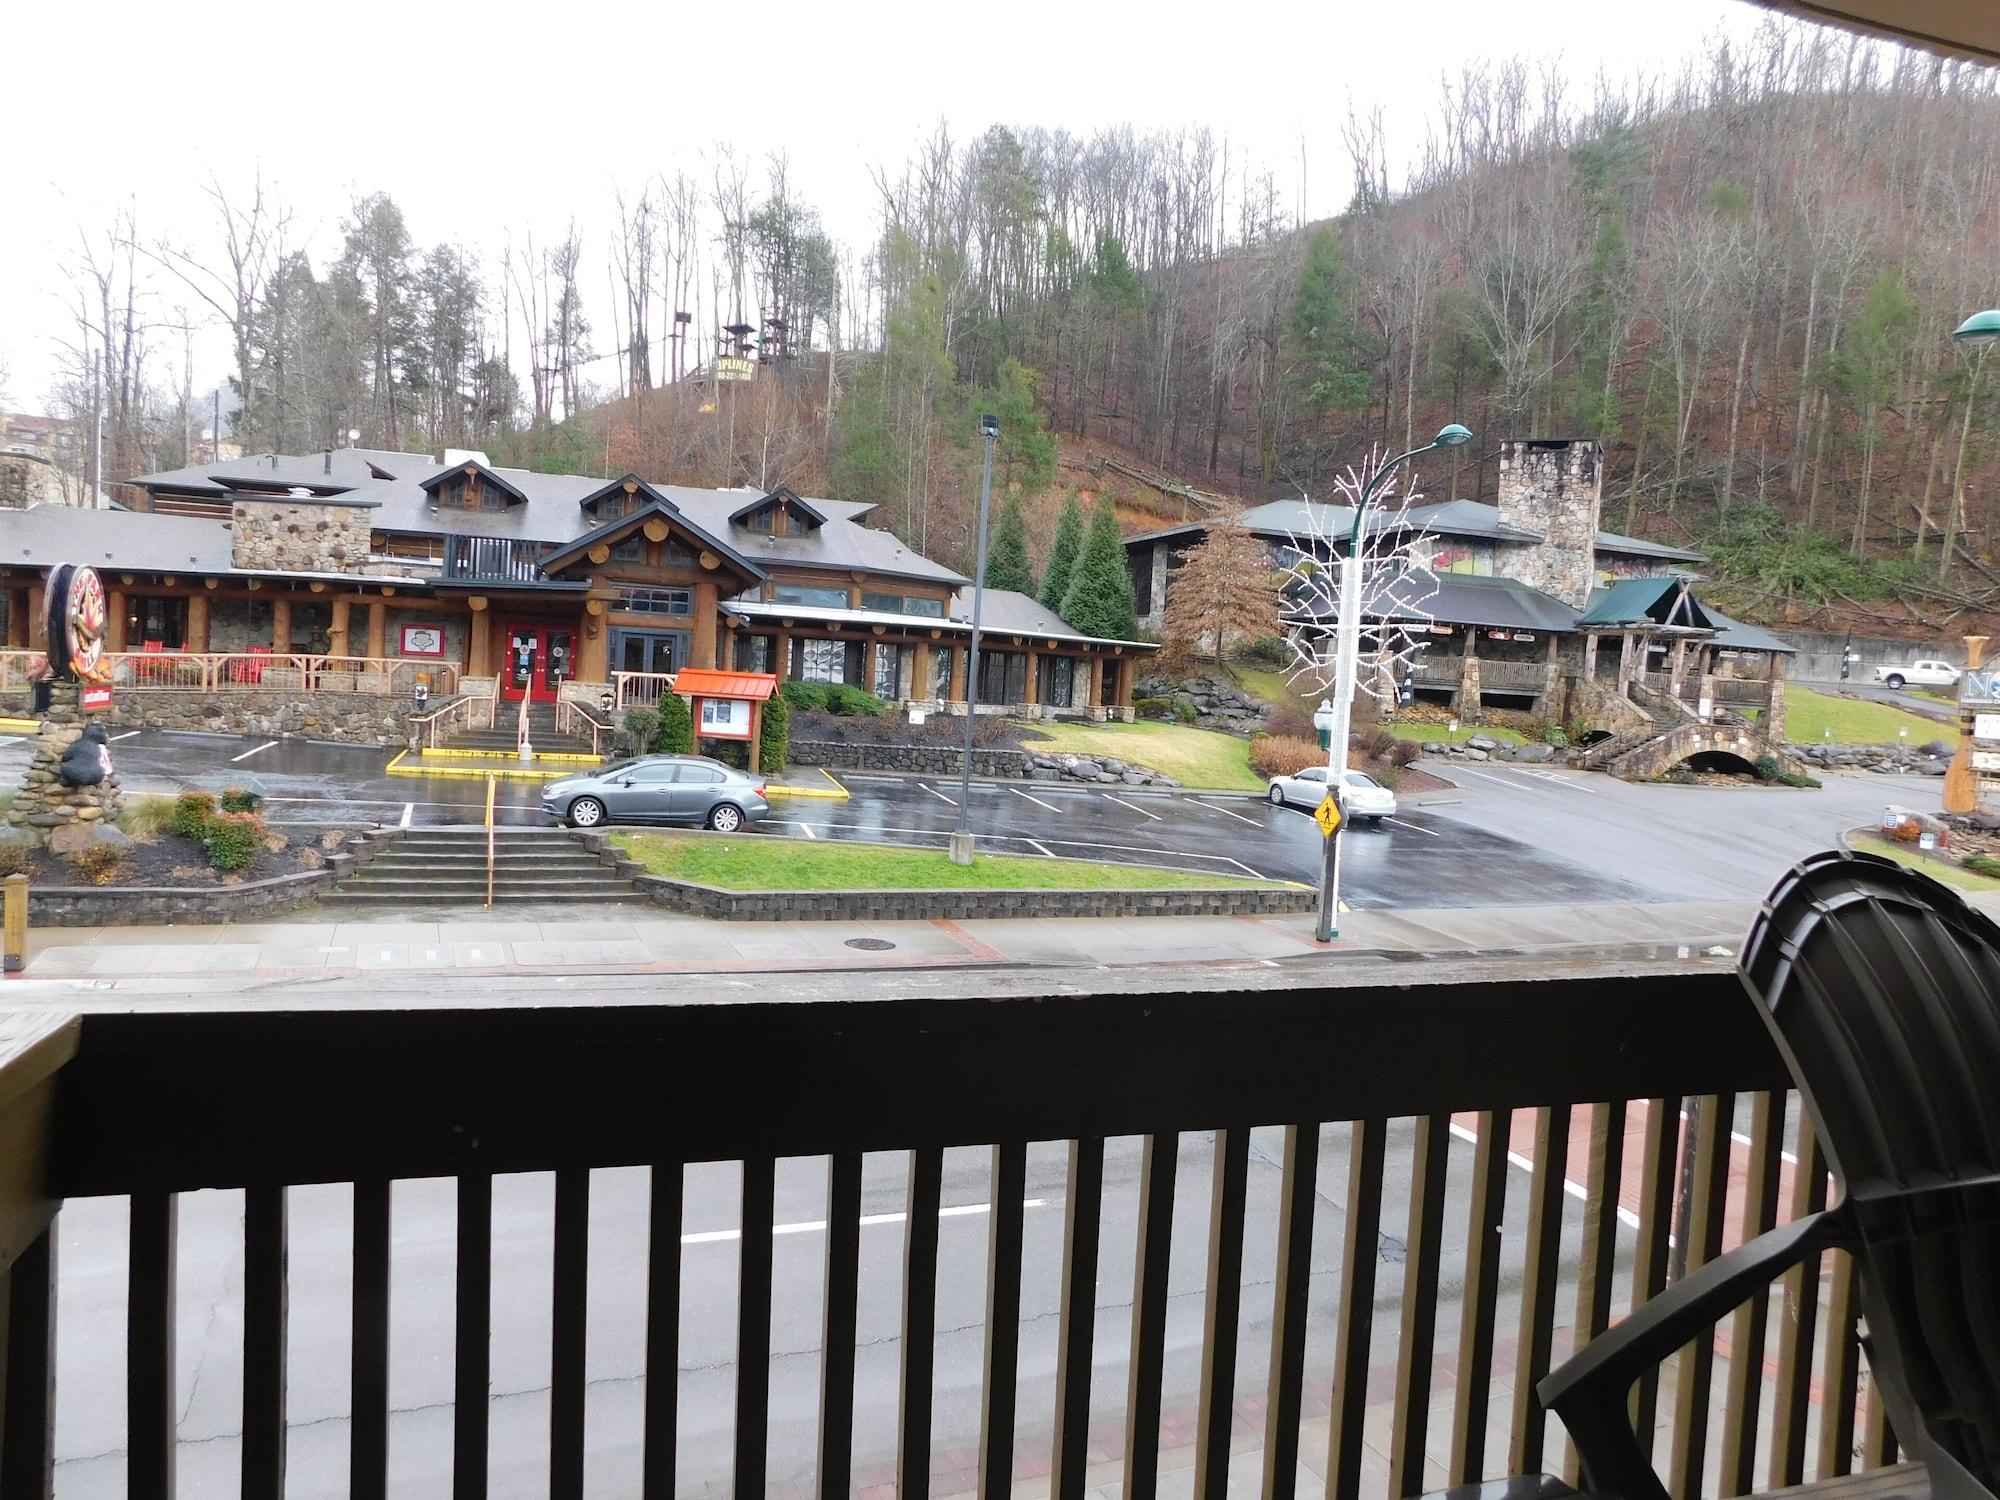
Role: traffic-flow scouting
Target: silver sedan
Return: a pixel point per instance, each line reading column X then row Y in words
column 689, row 789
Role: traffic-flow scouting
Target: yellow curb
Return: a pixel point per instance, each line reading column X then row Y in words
column 838, row 794
column 553, row 757
column 512, row 773
column 20, row 726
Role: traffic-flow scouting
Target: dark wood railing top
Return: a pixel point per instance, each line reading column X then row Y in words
column 158, row 1102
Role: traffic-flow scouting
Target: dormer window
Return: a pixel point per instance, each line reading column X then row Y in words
column 472, row 487
column 780, row 513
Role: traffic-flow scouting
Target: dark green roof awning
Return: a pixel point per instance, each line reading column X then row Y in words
column 1645, row 601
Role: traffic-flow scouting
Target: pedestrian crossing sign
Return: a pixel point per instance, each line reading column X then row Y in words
column 1328, row 815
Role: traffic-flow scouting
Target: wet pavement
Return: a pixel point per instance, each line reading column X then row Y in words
column 1422, row 857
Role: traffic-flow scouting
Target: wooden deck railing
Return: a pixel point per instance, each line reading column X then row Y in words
column 641, row 689
column 1418, row 1196
column 251, row 671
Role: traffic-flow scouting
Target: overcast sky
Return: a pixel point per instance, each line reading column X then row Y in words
column 514, row 115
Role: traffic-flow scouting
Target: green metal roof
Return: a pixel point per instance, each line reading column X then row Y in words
column 1634, row 601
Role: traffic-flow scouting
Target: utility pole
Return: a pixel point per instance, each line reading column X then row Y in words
column 961, row 838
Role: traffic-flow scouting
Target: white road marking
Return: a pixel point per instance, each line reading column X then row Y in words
column 248, row 753
column 1521, row 1163
column 1135, row 808
column 1036, row 800
column 936, row 793
column 938, row 833
column 408, row 809
column 1413, row 827
column 125, row 736
column 867, row 1221
column 1228, row 814
column 809, row 831
column 1038, row 846
column 1254, row 875
column 15, row 739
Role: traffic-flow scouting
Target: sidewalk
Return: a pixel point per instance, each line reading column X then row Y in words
column 633, row 938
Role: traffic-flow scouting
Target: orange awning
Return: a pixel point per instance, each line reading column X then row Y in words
column 701, row 682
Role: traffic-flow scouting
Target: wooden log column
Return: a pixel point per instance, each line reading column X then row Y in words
column 479, row 639
column 281, row 626
column 1032, row 687
column 17, row 618
column 114, row 620
column 37, row 637
column 197, row 627
column 378, row 628
column 958, row 693
column 702, row 648
column 594, row 660
column 920, row 671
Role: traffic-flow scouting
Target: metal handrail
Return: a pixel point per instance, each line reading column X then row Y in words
column 492, row 784
column 521, row 724
column 568, row 711
column 434, row 723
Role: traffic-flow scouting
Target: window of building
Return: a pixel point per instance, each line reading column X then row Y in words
column 156, row 622
column 753, row 653
column 762, row 520
column 904, row 604
column 1003, row 676
column 886, row 678
column 655, row 601
column 1058, row 684
column 631, row 550
column 822, row 661
column 1139, row 563
column 940, row 671
column 673, row 550
column 818, row 598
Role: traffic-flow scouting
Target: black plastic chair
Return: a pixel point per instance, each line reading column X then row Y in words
column 1882, row 990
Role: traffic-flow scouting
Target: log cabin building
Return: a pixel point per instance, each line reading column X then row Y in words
column 542, row 580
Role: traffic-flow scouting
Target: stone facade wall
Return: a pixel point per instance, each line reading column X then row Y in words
column 45, row 810
column 357, row 718
column 933, row 906
column 914, row 760
column 1556, row 489
column 299, row 536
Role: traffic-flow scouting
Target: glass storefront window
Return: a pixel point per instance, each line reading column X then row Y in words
column 798, row 593
column 823, row 661
column 160, row 623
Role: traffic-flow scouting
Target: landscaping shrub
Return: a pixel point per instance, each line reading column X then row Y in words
column 1268, row 651
column 146, row 818
column 1768, row 767
column 676, row 733
column 234, row 839
column 98, row 863
column 643, row 724
column 774, row 744
column 1800, row 779
column 1406, row 753
column 1388, row 775
column 1291, row 721
column 844, row 699
column 1905, row 831
column 1982, row 864
column 192, row 813
column 1153, row 708
column 1185, row 711
column 15, row 859
column 1680, row 776
column 1557, row 736
column 805, row 695
column 240, row 799
column 1375, row 742
column 1283, row 755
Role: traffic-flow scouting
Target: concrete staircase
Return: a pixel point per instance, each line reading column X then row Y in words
column 429, row 866
column 502, row 737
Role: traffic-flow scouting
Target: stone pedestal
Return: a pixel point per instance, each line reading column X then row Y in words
column 46, row 812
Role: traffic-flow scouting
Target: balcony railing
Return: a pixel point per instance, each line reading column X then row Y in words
column 1512, row 676
column 491, row 559
column 1335, row 1234
column 251, row 671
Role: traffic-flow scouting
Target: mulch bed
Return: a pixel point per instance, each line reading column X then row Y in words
column 1413, row 780
column 289, row 849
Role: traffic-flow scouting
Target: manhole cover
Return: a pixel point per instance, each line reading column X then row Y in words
column 871, row 945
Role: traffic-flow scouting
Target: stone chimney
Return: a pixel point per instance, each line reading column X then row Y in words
column 298, row 533
column 1553, row 487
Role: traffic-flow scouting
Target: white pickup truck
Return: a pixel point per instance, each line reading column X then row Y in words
column 1922, row 673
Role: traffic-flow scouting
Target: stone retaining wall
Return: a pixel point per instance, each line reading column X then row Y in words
column 958, row 905
column 138, row 906
column 915, row 760
column 360, row 718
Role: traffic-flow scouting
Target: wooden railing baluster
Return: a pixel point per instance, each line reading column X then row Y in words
column 1800, row 1323
column 27, row 1429
column 753, row 1329
column 1840, row 1377
column 1538, row 1287
column 920, row 1243
column 1003, row 1319
column 1879, row 1448
column 1158, row 1160
column 663, row 1331
column 1707, row 1199
column 1478, row 1302
column 1225, row 1289
column 1652, row 1257
column 568, row 1317
column 368, row 1422
column 1359, row 1253
column 1746, row 1347
column 839, row 1305
column 1604, row 1181
column 149, row 1347
column 264, row 1317
column 1298, row 1196
column 472, row 1338
column 1410, row 1431
column 1077, row 1337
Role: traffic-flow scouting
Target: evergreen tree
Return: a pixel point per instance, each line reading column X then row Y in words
column 1099, row 601
column 1007, row 556
column 676, row 726
column 1063, row 554
column 1323, row 337
column 774, row 740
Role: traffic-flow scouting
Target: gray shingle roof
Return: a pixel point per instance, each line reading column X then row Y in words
column 1734, row 635
column 50, row 534
column 1005, row 612
column 350, row 466
column 1472, row 599
column 1638, row 546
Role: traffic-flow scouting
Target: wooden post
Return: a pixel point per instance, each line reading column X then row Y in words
column 1961, row 784
column 1590, row 657
column 1032, row 692
column 281, row 626
column 781, row 656
column 479, row 642
column 17, row 618
column 756, row 734
column 197, row 628
column 702, row 647
column 37, row 637
column 378, row 628
column 114, row 620
column 920, row 671
column 958, row 693
column 14, row 922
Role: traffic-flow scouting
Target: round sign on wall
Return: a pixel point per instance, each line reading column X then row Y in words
column 76, row 613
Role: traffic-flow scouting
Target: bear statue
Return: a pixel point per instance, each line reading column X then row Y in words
column 87, row 761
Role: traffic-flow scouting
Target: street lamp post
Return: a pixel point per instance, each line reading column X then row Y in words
column 961, row 838
column 1347, row 663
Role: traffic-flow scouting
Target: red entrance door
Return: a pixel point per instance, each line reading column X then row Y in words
column 540, row 659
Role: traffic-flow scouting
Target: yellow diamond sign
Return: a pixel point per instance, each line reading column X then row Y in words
column 1328, row 815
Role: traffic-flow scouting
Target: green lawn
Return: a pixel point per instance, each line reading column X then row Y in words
column 1265, row 683
column 1854, row 721
column 1941, row 870
column 1437, row 734
column 1193, row 757
column 774, row 864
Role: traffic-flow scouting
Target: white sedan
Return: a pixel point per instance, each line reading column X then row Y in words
column 1363, row 796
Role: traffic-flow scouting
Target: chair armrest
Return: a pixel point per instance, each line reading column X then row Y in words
column 1589, row 1392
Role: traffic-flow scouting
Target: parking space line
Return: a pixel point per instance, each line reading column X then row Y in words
column 1135, row 808
column 248, row 753
column 125, row 736
column 1036, row 800
column 1043, row 848
column 408, row 809
column 1253, row 874
column 809, row 831
column 1413, row 827
column 1227, row 813
column 936, row 793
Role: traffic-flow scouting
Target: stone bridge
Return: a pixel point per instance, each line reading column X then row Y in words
column 1658, row 754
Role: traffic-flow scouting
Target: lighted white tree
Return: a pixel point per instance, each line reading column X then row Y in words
column 1394, row 578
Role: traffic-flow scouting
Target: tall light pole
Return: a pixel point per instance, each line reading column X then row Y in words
column 961, row 838
column 1347, row 663
column 1961, row 784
